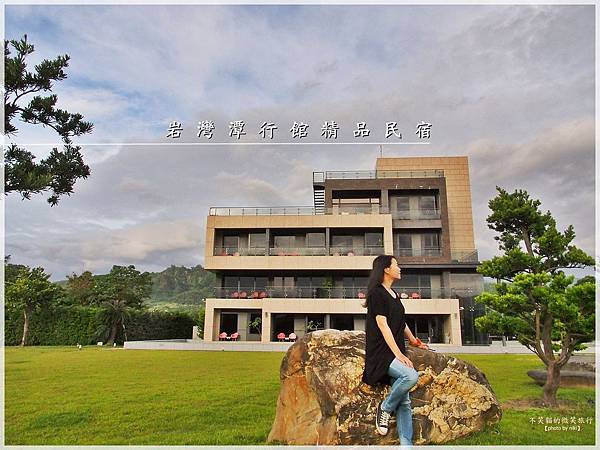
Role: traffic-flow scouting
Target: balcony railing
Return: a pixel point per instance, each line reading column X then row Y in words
column 299, row 251
column 295, row 211
column 296, row 251
column 355, row 251
column 252, row 293
column 239, row 251
column 428, row 251
column 319, row 177
column 417, row 214
column 464, row 256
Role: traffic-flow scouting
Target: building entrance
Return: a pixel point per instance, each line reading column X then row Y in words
column 427, row 328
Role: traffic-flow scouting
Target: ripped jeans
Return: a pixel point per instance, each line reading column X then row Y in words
column 398, row 399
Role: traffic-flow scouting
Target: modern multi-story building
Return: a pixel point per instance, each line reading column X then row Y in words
column 284, row 270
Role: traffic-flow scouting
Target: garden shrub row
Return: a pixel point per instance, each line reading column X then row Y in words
column 71, row 325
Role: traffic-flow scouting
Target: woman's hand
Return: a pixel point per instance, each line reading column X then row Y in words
column 404, row 360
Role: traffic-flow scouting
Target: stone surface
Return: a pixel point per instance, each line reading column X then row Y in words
column 323, row 401
column 568, row 378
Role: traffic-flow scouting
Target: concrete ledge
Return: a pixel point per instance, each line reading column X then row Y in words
column 220, row 346
column 253, row 346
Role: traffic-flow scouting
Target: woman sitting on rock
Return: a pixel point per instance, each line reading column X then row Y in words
column 385, row 359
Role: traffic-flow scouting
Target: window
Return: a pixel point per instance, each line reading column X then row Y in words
column 403, row 244
column 428, row 203
column 257, row 240
column 231, row 242
column 284, row 241
column 373, row 240
column 430, row 240
column 315, row 239
column 400, row 203
column 341, row 241
column 254, row 325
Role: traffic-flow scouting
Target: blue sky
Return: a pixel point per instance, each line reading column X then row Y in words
column 512, row 87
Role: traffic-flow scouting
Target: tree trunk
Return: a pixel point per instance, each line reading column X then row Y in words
column 25, row 328
column 552, row 385
column 113, row 334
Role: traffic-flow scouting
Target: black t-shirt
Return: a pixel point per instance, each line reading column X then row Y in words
column 378, row 355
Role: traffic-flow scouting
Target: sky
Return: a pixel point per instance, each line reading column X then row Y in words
column 511, row 87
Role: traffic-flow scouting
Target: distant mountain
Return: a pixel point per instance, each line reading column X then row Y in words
column 178, row 284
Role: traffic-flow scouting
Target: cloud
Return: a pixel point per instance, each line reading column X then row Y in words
column 510, row 86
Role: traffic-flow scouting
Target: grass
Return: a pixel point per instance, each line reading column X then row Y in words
column 63, row 396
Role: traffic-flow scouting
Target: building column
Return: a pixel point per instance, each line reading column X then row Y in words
column 384, row 200
column 327, row 324
column 209, row 314
column 327, row 243
column 446, row 291
column 265, row 334
column 268, row 233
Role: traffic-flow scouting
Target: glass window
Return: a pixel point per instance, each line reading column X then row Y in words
column 257, row 240
column 341, row 241
column 401, row 203
column 403, row 241
column 373, row 239
column 261, row 283
column 230, row 282
column 427, row 202
column 315, row 239
column 247, row 283
column 254, row 324
column 231, row 241
column 284, row 241
column 430, row 240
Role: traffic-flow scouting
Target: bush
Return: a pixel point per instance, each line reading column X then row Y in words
column 70, row 325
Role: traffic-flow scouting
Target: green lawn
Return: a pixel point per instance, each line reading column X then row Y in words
column 63, row 396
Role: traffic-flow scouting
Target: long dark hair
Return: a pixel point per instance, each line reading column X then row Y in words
column 376, row 278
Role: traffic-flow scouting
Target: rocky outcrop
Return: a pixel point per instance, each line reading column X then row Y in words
column 322, row 400
column 580, row 371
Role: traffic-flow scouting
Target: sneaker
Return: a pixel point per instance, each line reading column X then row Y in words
column 382, row 420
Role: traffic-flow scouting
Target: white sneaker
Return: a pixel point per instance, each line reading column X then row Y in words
column 382, row 420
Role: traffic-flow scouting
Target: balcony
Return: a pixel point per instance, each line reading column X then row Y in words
column 427, row 251
column 321, row 177
column 355, row 251
column 464, row 256
column 239, row 251
column 299, row 251
column 294, row 211
column 413, row 293
column 417, row 214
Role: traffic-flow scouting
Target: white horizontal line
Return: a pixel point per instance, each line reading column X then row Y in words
column 217, row 143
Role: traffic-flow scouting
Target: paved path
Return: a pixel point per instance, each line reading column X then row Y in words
column 512, row 347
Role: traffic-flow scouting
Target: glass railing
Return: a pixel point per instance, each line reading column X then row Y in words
column 464, row 256
column 239, row 251
column 428, row 251
column 299, row 251
column 416, row 214
column 304, row 251
column 355, row 251
column 413, row 293
column 295, row 211
column 319, row 177
column 291, row 292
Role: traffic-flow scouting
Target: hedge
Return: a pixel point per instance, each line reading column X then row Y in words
column 70, row 325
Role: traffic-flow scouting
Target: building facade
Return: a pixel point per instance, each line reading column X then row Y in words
column 285, row 271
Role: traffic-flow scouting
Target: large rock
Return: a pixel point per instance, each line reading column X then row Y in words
column 323, row 401
column 580, row 371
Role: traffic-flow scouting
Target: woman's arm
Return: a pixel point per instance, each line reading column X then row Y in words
column 412, row 340
column 391, row 342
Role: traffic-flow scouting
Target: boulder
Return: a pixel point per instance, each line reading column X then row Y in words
column 323, row 401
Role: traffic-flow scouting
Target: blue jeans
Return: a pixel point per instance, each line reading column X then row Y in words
column 398, row 399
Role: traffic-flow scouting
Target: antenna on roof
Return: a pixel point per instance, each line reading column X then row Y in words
column 380, row 151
